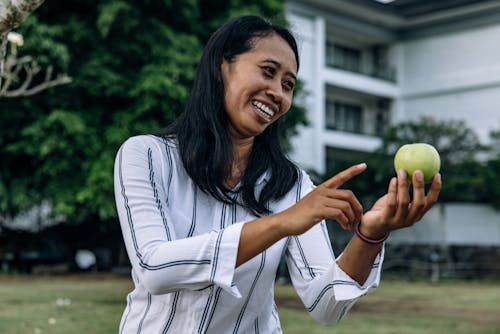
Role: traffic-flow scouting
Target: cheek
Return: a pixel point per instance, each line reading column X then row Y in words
column 229, row 98
column 286, row 104
column 234, row 94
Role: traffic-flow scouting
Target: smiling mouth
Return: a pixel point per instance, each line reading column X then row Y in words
column 263, row 110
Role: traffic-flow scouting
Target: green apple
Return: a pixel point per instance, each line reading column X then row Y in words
column 418, row 156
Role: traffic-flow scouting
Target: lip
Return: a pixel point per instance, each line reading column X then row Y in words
column 262, row 115
column 262, row 118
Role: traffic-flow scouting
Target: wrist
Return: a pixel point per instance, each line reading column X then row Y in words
column 278, row 227
column 369, row 235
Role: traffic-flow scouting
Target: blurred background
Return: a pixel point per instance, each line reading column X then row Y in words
column 79, row 77
column 380, row 74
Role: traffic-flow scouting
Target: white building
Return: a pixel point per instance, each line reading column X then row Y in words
column 366, row 64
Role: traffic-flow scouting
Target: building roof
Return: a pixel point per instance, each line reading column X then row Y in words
column 417, row 8
column 407, row 18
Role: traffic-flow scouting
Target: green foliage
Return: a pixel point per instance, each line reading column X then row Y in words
column 132, row 64
column 44, row 41
column 53, row 157
column 454, row 141
column 109, row 13
column 492, row 170
column 458, row 147
column 296, row 116
column 466, row 177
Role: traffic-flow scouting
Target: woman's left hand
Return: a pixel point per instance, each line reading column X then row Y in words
column 396, row 209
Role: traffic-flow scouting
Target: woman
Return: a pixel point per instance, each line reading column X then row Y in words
column 208, row 208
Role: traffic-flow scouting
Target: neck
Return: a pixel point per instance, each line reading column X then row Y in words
column 242, row 149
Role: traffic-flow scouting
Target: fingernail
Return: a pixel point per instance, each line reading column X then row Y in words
column 361, row 165
column 439, row 177
column 402, row 173
column 393, row 182
column 420, row 175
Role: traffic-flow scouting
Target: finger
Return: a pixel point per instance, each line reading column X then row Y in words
column 403, row 198
column 343, row 206
column 433, row 194
column 392, row 202
column 418, row 202
column 344, row 176
column 348, row 196
column 338, row 216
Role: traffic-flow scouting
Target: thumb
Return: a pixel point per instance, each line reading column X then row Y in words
column 344, row 176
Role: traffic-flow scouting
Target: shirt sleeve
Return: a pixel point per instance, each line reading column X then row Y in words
column 161, row 262
column 326, row 290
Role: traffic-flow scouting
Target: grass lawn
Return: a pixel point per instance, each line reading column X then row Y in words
column 29, row 304
column 402, row 307
column 93, row 305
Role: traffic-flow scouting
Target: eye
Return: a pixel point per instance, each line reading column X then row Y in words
column 290, row 85
column 269, row 70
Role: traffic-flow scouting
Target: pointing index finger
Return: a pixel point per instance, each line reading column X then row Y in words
column 344, row 176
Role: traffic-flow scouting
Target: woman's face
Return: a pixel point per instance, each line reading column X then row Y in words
column 258, row 86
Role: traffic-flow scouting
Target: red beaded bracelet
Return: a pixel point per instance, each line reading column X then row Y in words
column 368, row 240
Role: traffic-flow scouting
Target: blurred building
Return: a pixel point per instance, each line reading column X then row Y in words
column 367, row 64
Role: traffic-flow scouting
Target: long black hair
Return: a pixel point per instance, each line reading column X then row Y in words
column 202, row 129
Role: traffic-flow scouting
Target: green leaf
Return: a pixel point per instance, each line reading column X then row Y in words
column 108, row 14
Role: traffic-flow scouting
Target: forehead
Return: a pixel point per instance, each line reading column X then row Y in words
column 274, row 47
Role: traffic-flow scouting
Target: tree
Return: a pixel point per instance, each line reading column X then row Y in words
column 454, row 141
column 17, row 74
column 492, row 171
column 459, row 148
column 132, row 64
column 463, row 174
column 14, row 12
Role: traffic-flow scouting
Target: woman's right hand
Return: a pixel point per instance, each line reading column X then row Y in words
column 326, row 201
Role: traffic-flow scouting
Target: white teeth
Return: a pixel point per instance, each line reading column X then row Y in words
column 265, row 109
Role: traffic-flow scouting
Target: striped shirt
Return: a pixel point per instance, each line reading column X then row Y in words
column 182, row 244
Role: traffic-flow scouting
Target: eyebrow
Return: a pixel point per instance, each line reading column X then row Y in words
column 278, row 64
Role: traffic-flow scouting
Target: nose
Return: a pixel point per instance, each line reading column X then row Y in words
column 275, row 91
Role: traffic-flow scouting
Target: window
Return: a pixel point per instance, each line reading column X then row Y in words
column 343, row 116
column 382, row 116
column 343, row 57
column 381, row 65
column 368, row 59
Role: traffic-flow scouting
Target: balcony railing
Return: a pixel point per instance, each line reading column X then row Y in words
column 351, row 59
column 387, row 74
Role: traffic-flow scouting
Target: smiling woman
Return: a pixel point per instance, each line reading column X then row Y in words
column 230, row 84
column 209, row 206
column 258, row 90
column 259, row 86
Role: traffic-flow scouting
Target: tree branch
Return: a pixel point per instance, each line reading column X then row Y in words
column 59, row 80
column 14, row 12
column 3, row 52
column 12, row 70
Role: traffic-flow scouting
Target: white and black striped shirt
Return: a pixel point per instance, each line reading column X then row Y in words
column 182, row 245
